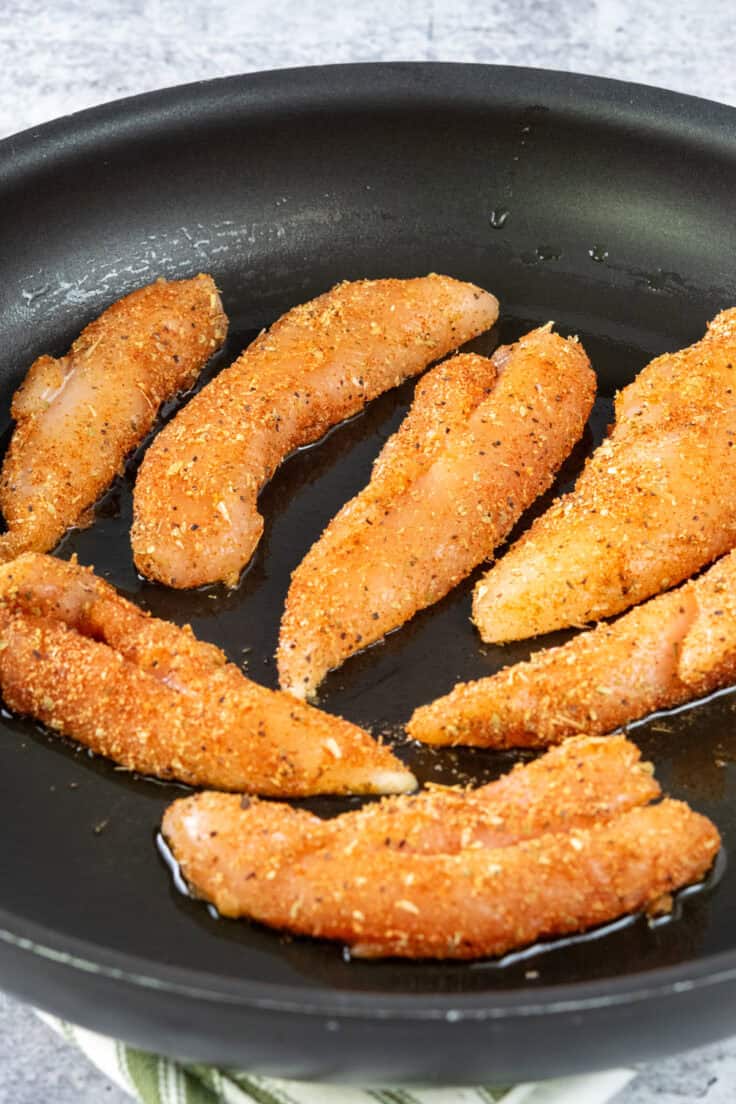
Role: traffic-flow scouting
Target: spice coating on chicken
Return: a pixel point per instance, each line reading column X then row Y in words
column 587, row 779
column 670, row 650
column 654, row 503
column 476, row 902
column 89, row 664
column 78, row 417
column 196, row 519
column 482, row 440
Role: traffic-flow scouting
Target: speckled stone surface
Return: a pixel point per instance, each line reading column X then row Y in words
column 53, row 63
column 57, row 58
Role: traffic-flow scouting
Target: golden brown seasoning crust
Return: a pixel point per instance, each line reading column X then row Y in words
column 88, row 663
column 670, row 650
column 196, row 519
column 479, row 902
column 654, row 503
column 78, row 417
column 472, row 454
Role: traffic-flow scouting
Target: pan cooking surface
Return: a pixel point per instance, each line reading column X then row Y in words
column 604, row 208
column 116, row 817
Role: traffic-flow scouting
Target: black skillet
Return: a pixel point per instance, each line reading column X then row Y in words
column 607, row 207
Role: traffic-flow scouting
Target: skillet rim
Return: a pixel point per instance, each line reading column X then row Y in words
column 319, row 1000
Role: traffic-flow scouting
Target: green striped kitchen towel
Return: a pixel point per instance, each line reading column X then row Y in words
column 151, row 1079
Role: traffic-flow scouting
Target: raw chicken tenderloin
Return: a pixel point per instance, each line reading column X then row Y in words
column 482, row 440
column 88, row 663
column 654, row 504
column 670, row 650
column 196, row 518
column 78, row 417
column 478, row 902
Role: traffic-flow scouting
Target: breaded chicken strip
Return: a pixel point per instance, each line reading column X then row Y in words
column 196, row 518
column 82, row 659
column 654, row 503
column 78, row 417
column 482, row 440
column 672, row 649
column 382, row 901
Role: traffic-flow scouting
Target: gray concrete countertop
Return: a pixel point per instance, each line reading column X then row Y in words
column 59, row 58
